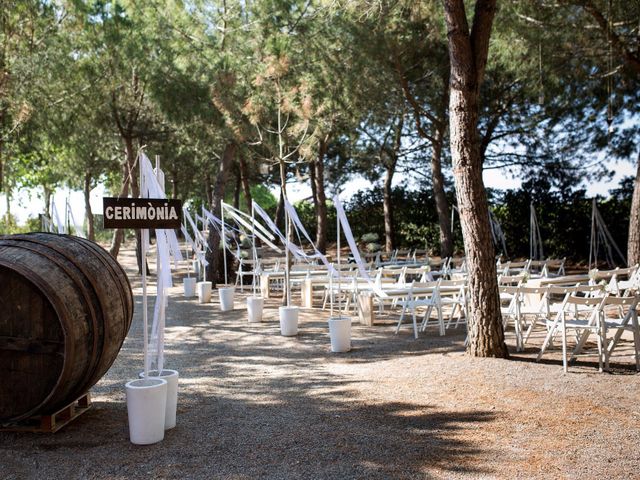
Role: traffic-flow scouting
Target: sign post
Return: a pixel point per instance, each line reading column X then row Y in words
column 143, row 214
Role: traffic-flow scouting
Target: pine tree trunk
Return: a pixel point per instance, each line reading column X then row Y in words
column 236, row 191
column 280, row 212
column 216, row 266
column 87, row 207
column 321, row 205
column 7, row 196
column 633, row 245
column 468, row 54
column 133, row 168
column 118, row 233
column 312, row 184
column 246, row 188
column 442, row 205
column 47, row 201
column 208, row 188
column 387, row 206
column 174, row 183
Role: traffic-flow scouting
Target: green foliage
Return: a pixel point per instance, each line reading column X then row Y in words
column 370, row 237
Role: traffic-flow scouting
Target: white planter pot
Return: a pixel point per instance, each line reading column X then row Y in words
column 289, row 321
column 226, row 298
column 171, row 376
column 204, row 292
column 189, row 284
column 340, row 334
column 254, row 308
column 146, row 407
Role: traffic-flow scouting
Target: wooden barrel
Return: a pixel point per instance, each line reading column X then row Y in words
column 65, row 309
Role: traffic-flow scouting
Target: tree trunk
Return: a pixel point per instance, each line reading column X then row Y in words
column 390, row 168
column 633, row 245
column 312, row 183
column 174, row 183
column 387, row 206
column 7, row 196
column 208, row 188
column 87, row 207
column 442, row 205
column 321, row 205
column 244, row 177
column 468, row 55
column 213, row 240
column 280, row 212
column 47, row 201
column 236, row 190
column 118, row 233
column 135, row 193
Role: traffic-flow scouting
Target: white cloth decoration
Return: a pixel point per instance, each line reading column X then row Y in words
column 346, row 228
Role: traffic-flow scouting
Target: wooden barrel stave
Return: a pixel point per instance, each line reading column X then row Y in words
column 79, row 285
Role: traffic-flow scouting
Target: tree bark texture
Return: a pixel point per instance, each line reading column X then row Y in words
column 236, row 190
column 312, row 184
column 633, row 245
column 132, row 166
column 118, row 233
column 208, row 188
column 390, row 170
column 442, row 205
column 174, row 183
column 87, row 207
column 279, row 221
column 387, row 206
column 246, row 187
column 468, row 55
column 215, row 270
column 321, row 197
column 436, row 139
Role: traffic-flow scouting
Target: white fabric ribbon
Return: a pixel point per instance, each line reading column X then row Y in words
column 293, row 214
column 56, row 218
column 346, row 228
column 167, row 247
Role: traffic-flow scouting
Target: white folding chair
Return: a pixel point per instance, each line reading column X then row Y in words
column 447, row 293
column 621, row 319
column 581, row 314
column 425, row 298
column 509, row 308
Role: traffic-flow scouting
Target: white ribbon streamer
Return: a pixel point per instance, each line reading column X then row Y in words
column 346, row 228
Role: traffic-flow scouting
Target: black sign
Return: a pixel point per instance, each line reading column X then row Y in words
column 142, row 213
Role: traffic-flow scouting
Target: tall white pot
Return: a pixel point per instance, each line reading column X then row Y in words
column 171, row 376
column 254, row 309
column 189, row 284
column 226, row 298
column 289, row 321
column 340, row 334
column 204, row 292
column 146, row 409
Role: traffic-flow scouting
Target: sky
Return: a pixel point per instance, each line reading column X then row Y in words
column 26, row 203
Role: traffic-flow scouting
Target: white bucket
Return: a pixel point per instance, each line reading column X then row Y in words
column 189, row 284
column 289, row 321
column 340, row 334
column 254, row 308
column 226, row 298
column 204, row 292
column 146, row 409
column 171, row 376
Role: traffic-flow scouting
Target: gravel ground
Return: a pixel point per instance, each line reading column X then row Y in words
column 254, row 404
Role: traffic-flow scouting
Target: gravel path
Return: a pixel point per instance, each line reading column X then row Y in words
column 253, row 404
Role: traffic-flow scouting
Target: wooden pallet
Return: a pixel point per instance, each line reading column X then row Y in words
column 53, row 422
